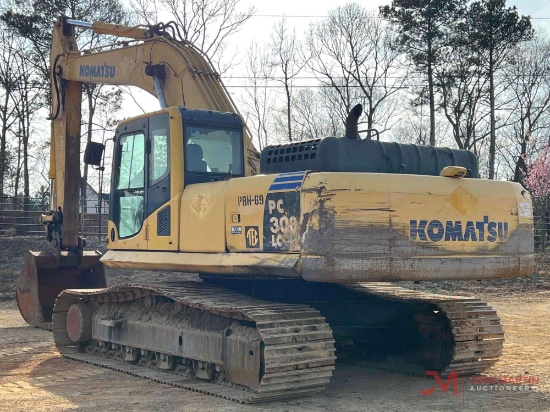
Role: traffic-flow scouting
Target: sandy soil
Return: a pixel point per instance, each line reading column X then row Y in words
column 33, row 377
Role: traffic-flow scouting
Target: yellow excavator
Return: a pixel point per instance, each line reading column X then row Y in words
column 295, row 246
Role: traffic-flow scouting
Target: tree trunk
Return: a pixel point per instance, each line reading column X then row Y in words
column 25, row 137
column 26, row 186
column 370, row 114
column 492, row 144
column 84, row 181
column 520, row 164
column 3, row 138
column 18, row 168
column 431, row 93
column 288, row 104
column 370, row 122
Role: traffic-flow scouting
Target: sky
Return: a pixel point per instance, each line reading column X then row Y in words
column 300, row 13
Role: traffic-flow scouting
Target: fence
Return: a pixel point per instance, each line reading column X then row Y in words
column 542, row 232
column 19, row 218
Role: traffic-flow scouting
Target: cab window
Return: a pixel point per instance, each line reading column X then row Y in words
column 213, row 151
column 160, row 153
column 129, row 193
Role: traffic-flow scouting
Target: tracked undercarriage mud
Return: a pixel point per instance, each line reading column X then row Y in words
column 223, row 343
column 206, row 338
column 393, row 328
column 460, row 334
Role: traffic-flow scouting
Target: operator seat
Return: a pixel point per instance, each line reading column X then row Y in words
column 195, row 163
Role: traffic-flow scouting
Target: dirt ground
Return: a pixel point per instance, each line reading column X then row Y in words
column 33, row 377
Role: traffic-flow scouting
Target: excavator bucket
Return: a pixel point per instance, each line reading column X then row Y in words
column 44, row 276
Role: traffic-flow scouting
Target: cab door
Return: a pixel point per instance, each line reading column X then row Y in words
column 128, row 194
column 141, row 184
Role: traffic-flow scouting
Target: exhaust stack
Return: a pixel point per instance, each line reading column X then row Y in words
column 352, row 130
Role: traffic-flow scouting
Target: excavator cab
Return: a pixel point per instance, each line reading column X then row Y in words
column 155, row 157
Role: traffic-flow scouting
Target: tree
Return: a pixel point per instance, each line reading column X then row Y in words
column 312, row 115
column 259, row 98
column 494, row 30
column 33, row 23
column 537, row 180
column 354, row 52
column 288, row 61
column 527, row 82
column 412, row 129
column 26, row 102
column 461, row 88
column 9, row 81
column 21, row 91
column 424, row 28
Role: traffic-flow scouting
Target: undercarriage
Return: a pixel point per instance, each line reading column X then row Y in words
column 253, row 341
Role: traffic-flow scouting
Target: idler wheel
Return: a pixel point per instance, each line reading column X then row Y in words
column 79, row 322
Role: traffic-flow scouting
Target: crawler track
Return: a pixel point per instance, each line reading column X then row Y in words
column 298, row 353
column 477, row 334
column 452, row 333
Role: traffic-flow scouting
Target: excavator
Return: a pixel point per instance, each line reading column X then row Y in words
column 299, row 247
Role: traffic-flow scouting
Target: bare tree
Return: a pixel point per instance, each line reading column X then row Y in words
column 289, row 63
column 20, row 88
column 9, row 80
column 205, row 23
column 414, row 127
column 461, row 89
column 354, row 51
column 27, row 103
column 33, row 23
column 493, row 32
column 527, row 82
column 313, row 117
column 423, row 28
column 259, row 99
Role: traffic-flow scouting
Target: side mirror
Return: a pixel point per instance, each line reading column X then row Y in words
column 93, row 153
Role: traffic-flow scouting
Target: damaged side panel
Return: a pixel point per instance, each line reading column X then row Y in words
column 404, row 227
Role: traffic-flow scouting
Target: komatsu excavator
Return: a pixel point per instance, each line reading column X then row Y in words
column 295, row 258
